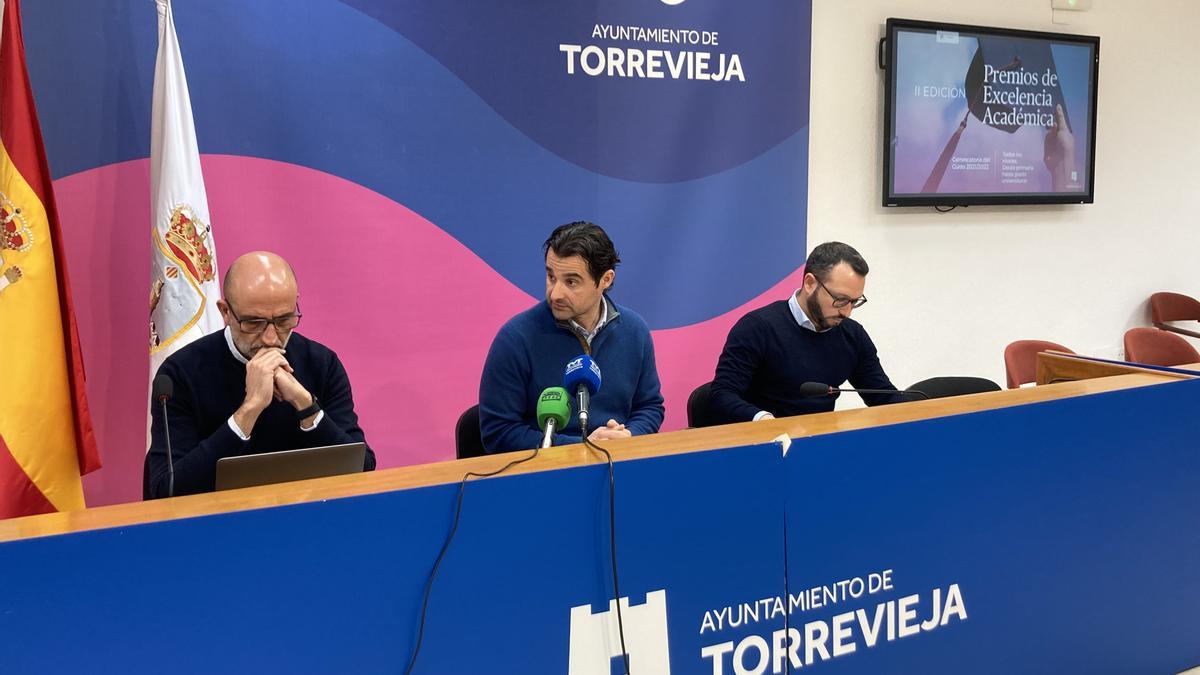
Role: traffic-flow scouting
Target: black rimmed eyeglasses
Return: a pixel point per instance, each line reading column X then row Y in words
column 282, row 324
column 839, row 301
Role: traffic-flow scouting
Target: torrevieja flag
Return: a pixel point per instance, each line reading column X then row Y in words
column 184, row 282
column 46, row 437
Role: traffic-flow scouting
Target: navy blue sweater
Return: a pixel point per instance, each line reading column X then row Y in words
column 768, row 356
column 530, row 353
column 210, row 385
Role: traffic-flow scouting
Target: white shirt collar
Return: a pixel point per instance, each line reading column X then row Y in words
column 232, row 347
column 799, row 315
column 588, row 335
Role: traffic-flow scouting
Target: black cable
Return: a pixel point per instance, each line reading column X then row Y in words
column 942, row 210
column 787, row 593
column 442, row 554
column 612, row 532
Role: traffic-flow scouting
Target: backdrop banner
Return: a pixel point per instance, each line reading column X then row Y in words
column 409, row 158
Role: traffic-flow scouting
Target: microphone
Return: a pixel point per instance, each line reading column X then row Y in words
column 162, row 390
column 582, row 377
column 818, row 389
column 553, row 411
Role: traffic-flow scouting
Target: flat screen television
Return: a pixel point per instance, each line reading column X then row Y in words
column 979, row 115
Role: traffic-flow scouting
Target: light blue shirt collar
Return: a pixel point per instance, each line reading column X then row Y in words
column 799, row 315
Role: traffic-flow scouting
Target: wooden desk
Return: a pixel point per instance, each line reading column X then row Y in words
column 1057, row 367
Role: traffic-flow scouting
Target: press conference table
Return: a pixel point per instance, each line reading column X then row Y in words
column 1054, row 367
column 669, row 443
column 1012, row 517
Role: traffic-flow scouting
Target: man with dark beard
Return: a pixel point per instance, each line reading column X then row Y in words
column 809, row 337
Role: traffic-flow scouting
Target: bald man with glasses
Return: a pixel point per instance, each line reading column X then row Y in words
column 809, row 337
column 256, row 386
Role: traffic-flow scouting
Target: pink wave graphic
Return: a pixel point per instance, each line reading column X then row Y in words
column 408, row 308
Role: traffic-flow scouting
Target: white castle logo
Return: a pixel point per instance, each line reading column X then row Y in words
column 595, row 641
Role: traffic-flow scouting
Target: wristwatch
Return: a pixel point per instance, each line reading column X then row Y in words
column 309, row 411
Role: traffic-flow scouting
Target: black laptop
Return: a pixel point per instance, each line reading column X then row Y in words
column 289, row 465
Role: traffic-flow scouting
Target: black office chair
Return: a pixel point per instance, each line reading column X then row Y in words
column 146, row 477
column 699, row 413
column 939, row 387
column 467, row 441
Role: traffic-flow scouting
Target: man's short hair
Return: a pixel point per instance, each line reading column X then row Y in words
column 828, row 255
column 586, row 240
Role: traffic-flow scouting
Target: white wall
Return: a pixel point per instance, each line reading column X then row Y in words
column 949, row 290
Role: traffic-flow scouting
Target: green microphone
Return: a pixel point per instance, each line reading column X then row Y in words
column 553, row 410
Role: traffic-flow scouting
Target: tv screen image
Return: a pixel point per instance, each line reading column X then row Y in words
column 979, row 115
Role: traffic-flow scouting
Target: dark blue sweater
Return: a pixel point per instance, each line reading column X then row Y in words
column 529, row 354
column 768, row 356
column 210, row 385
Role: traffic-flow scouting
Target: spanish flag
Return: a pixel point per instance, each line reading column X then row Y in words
column 46, row 437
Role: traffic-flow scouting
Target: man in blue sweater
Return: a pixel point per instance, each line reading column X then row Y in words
column 532, row 349
column 809, row 337
column 254, row 387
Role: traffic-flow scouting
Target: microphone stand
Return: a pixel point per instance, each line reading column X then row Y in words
column 548, row 434
column 821, row 390
column 584, row 402
column 170, row 453
column 907, row 392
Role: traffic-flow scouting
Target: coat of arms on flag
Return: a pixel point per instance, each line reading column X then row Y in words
column 189, row 265
column 183, row 269
column 15, row 235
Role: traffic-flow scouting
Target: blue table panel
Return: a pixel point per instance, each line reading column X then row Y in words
column 336, row 586
column 1069, row 526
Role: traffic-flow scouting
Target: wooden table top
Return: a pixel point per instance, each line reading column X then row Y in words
column 662, row 444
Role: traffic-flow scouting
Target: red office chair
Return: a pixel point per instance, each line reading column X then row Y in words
column 1158, row 348
column 1166, row 307
column 1020, row 360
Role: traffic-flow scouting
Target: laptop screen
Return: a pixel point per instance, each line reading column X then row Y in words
column 289, row 465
